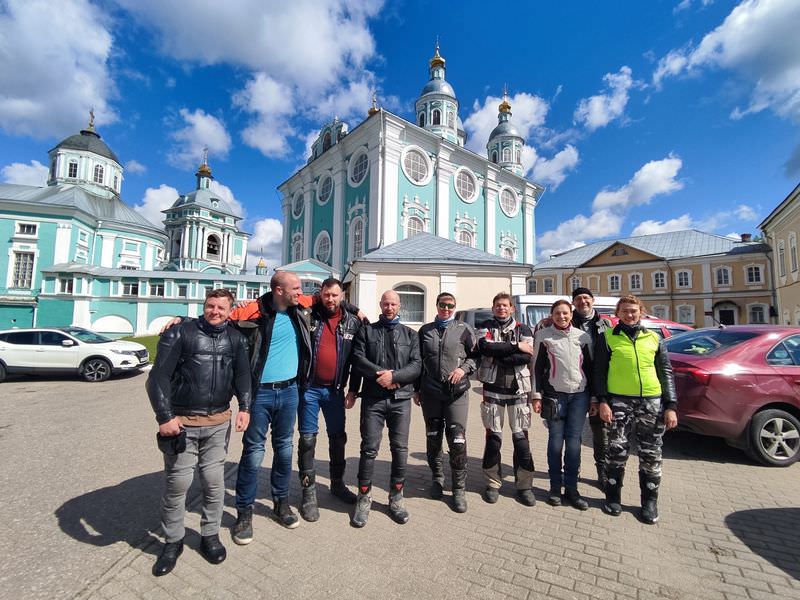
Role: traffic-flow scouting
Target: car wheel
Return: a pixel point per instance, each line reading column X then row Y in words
column 96, row 369
column 775, row 438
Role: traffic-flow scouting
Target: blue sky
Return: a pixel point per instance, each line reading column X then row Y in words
column 639, row 116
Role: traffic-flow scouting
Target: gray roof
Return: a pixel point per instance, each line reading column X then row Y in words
column 204, row 198
column 89, row 141
column 109, row 210
column 438, row 86
column 670, row 245
column 429, row 248
column 505, row 128
column 98, row 271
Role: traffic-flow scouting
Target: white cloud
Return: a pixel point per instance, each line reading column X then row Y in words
column 266, row 243
column 687, row 4
column 758, row 42
column 272, row 103
column 528, row 111
column 155, row 200
column 554, row 171
column 53, row 67
column 610, row 207
column 134, row 166
column 201, row 130
column 650, row 226
column 599, row 110
column 745, row 213
column 33, row 174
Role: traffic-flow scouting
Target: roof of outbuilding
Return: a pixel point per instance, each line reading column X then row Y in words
column 89, row 141
column 72, row 196
column 429, row 248
column 670, row 245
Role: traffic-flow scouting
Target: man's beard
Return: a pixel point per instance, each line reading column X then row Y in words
column 330, row 312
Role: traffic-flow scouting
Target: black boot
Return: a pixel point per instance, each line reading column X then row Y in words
column 363, row 504
column 308, row 504
column 575, row 500
column 169, row 556
column 460, row 490
column 243, row 530
column 336, row 446
column 397, row 505
column 284, row 514
column 613, row 502
column 602, row 478
column 212, row 549
column 435, row 457
column 649, row 484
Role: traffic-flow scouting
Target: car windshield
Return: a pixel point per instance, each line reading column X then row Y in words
column 86, row 336
column 707, row 341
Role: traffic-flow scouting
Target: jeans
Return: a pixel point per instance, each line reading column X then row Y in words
column 396, row 414
column 566, row 429
column 206, row 449
column 277, row 408
column 332, row 404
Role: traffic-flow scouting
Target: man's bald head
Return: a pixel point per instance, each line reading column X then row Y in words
column 285, row 290
column 390, row 304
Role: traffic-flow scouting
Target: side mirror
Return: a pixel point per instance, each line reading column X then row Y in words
column 67, row 343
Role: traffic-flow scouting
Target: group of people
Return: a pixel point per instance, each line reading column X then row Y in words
column 286, row 357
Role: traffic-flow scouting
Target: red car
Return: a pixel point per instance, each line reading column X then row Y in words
column 741, row 383
column 661, row 327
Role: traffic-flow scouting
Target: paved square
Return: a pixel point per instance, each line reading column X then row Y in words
column 82, row 479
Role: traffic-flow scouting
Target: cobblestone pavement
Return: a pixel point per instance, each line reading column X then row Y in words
column 81, row 483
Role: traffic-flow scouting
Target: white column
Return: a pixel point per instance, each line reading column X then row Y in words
column 62, row 245
column 286, row 237
column 391, row 201
column 528, row 233
column 185, row 241
column 148, row 257
column 338, row 233
column 490, row 241
column 443, row 194
column 141, row 316
column 80, row 314
column 107, row 256
column 307, row 230
column 517, row 285
column 367, row 299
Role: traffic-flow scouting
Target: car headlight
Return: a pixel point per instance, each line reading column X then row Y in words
column 128, row 352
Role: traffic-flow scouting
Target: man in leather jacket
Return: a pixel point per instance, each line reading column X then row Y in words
column 200, row 364
column 386, row 356
column 634, row 384
column 333, row 331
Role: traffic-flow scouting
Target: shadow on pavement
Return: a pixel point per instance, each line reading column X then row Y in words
column 125, row 512
column 685, row 445
column 769, row 533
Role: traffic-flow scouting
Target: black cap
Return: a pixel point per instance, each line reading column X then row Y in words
column 581, row 290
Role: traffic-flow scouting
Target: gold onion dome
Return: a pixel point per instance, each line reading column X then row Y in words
column 505, row 105
column 204, row 169
column 261, row 264
column 374, row 108
column 438, row 59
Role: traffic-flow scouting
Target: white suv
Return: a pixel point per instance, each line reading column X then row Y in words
column 67, row 349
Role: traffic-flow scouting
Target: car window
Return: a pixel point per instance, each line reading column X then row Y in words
column 707, row 341
column 86, row 336
column 673, row 331
column 51, row 338
column 657, row 331
column 785, row 353
column 535, row 314
column 23, row 337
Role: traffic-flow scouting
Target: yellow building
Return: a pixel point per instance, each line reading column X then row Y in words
column 780, row 230
column 700, row 279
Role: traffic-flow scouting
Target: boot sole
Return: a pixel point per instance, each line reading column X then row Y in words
column 609, row 511
column 239, row 541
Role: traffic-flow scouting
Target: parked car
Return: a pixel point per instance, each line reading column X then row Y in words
column 68, row 349
column 474, row 316
column 661, row 327
column 741, row 383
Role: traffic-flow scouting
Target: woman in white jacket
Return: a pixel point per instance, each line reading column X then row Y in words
column 561, row 379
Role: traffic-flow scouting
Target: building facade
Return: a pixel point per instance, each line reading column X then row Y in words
column 780, row 229
column 389, row 179
column 76, row 254
column 691, row 277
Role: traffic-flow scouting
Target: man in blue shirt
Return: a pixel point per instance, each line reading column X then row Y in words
column 281, row 355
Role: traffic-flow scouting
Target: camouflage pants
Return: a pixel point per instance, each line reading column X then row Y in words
column 643, row 418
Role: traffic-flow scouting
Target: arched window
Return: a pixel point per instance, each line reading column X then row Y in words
column 508, row 202
column 98, row 174
column 436, row 118
column 297, row 251
column 466, row 238
column 322, row 247
column 212, row 247
column 116, row 183
column 781, row 258
column 326, row 141
column 517, row 156
column 357, row 238
column 358, row 169
column 412, row 303
column 451, row 120
column 415, row 166
column 506, row 154
column 414, row 226
column 494, row 156
column 422, row 119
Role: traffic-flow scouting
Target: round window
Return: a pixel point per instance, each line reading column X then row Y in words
column 416, row 166
column 325, row 189
column 322, row 247
column 297, row 205
column 359, row 168
column 508, row 202
column 466, row 185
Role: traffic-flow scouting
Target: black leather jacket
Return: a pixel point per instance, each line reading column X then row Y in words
column 197, row 370
column 445, row 350
column 345, row 336
column 369, row 357
column 259, row 335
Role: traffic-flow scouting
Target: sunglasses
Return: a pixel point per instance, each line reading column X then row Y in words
column 446, row 305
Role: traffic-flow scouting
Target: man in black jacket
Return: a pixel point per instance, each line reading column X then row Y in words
column 200, row 364
column 333, row 330
column 386, row 355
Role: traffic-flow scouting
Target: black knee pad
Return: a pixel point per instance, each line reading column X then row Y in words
column 491, row 454
column 522, row 450
column 305, row 451
column 308, row 441
column 457, row 442
column 434, row 427
column 337, row 439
